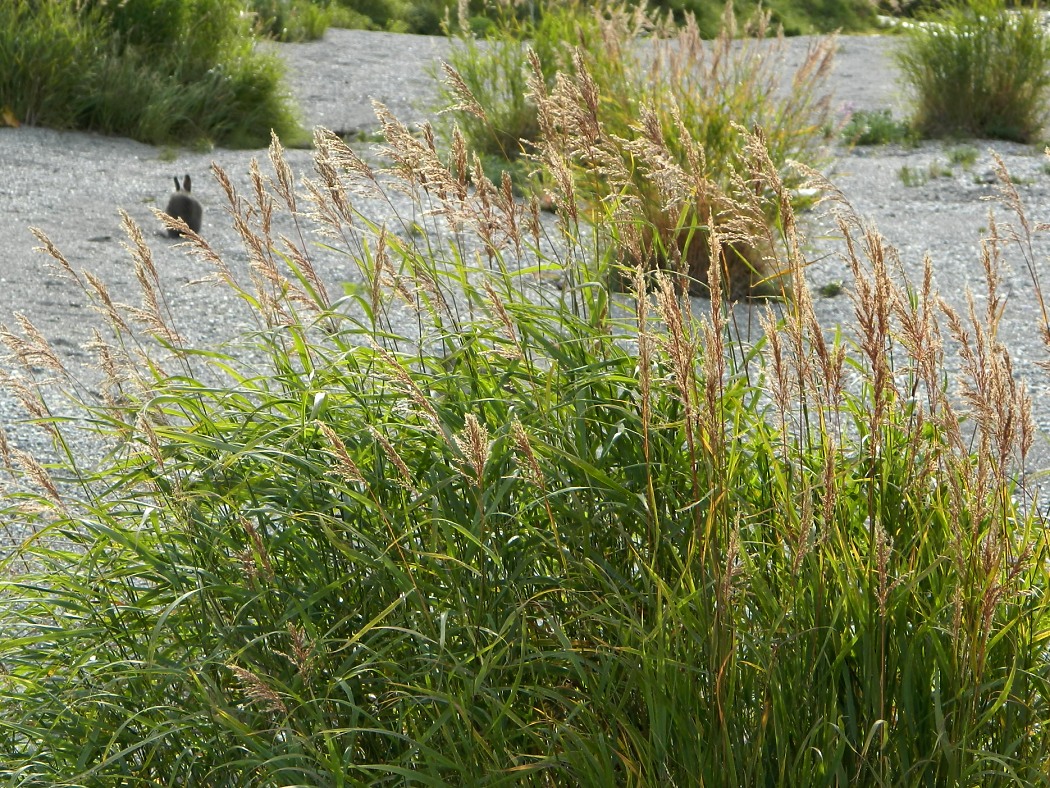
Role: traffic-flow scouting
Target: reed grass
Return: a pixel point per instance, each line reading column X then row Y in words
column 551, row 536
column 659, row 106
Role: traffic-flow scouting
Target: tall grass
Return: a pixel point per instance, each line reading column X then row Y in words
column 648, row 85
column 542, row 536
column 159, row 72
column 979, row 69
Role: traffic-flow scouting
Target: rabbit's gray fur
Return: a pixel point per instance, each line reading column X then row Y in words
column 183, row 206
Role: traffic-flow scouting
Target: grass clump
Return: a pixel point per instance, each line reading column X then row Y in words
column 159, row 72
column 876, row 127
column 544, row 536
column 663, row 87
column 291, row 20
column 964, row 156
column 979, row 69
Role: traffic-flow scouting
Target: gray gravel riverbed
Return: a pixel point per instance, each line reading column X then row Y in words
column 72, row 184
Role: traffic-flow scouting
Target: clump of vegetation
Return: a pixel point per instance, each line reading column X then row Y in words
column 876, row 127
column 551, row 536
column 964, row 156
column 920, row 176
column 979, row 69
column 291, row 20
column 423, row 17
column 159, row 72
column 663, row 87
column 795, row 17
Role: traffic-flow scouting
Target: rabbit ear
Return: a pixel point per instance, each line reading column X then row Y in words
column 186, row 182
column 177, row 186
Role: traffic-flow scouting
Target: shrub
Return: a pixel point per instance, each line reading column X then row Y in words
column 979, row 69
column 553, row 536
column 156, row 71
column 423, row 17
column 679, row 94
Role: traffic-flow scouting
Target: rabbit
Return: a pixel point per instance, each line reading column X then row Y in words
column 183, row 206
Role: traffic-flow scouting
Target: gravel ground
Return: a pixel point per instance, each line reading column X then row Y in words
column 72, row 184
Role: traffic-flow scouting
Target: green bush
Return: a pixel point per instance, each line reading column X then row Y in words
column 424, row 17
column 547, row 536
column 979, row 69
column 160, row 72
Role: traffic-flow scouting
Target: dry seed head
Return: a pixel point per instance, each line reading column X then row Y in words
column 145, row 428
column 259, row 556
column 28, row 394
column 460, row 158
column 258, row 691
column 509, row 328
column 1006, row 193
column 107, row 308
column 50, row 249
column 302, row 651
column 149, row 314
column 285, row 178
column 332, row 210
column 306, row 267
column 677, row 346
column 39, row 475
column 140, row 252
column 345, row 466
column 415, row 162
column 5, row 448
column 264, row 203
column 343, row 157
column 524, row 446
column 32, row 350
column 536, row 89
column 733, row 568
column 409, row 386
column 782, row 382
column 394, row 457
column 466, row 101
column 473, row 442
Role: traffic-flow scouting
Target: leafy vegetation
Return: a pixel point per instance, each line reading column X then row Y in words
column 294, row 20
column 159, row 72
column 979, row 69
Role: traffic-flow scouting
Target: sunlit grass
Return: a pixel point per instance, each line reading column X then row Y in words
column 572, row 536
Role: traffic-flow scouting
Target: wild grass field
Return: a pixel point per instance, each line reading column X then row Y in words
column 568, row 527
